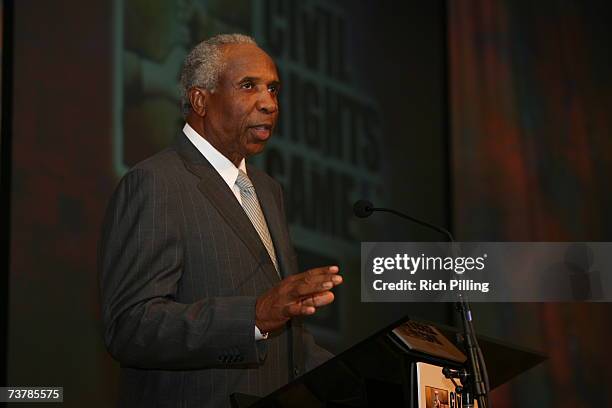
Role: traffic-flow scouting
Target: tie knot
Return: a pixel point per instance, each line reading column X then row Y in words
column 244, row 182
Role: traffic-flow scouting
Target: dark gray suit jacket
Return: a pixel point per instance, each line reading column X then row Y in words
column 180, row 269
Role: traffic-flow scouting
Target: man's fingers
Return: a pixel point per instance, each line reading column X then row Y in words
column 292, row 309
column 316, row 284
column 308, row 310
column 298, row 309
column 321, row 270
column 319, row 300
column 320, row 279
column 314, row 275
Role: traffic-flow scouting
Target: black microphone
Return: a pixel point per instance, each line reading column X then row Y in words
column 365, row 208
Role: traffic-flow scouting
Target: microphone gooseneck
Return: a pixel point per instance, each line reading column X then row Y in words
column 365, row 208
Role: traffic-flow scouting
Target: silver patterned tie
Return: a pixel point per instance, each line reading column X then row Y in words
column 251, row 206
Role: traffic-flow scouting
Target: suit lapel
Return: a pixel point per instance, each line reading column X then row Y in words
column 216, row 190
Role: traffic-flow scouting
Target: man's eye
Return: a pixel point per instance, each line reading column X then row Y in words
column 247, row 85
column 273, row 89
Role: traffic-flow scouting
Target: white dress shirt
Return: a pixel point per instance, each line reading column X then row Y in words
column 223, row 165
column 226, row 169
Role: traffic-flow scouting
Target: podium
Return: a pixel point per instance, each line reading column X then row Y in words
column 399, row 366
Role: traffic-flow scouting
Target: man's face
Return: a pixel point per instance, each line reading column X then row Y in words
column 243, row 109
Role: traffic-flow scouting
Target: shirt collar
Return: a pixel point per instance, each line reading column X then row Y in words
column 223, row 166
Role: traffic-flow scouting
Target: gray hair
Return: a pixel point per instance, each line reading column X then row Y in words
column 204, row 64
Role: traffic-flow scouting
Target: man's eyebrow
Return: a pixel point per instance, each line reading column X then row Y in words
column 257, row 79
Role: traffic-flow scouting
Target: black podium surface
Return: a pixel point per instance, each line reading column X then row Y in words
column 381, row 371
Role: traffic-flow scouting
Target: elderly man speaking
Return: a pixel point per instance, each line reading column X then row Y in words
column 201, row 296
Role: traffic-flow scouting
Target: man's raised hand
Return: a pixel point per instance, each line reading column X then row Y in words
column 296, row 295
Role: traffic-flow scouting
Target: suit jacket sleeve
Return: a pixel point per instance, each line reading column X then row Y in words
column 140, row 263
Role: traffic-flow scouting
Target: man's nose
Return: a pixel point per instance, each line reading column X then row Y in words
column 267, row 103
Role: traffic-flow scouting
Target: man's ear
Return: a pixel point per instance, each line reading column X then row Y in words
column 198, row 98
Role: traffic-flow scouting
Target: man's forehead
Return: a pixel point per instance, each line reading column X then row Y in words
column 247, row 60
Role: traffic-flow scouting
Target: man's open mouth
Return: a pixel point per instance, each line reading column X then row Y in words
column 261, row 132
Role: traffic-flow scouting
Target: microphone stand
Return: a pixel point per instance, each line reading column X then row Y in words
column 475, row 384
column 474, row 379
